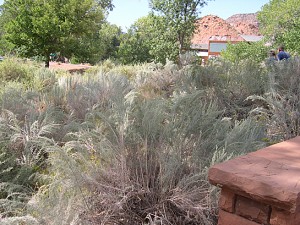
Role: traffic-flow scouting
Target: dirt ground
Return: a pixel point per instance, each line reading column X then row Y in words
column 69, row 67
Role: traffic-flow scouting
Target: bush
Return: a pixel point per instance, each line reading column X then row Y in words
column 132, row 145
column 255, row 51
column 137, row 160
column 12, row 69
column 280, row 103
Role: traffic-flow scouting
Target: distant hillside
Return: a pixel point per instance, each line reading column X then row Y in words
column 250, row 18
column 211, row 26
column 245, row 23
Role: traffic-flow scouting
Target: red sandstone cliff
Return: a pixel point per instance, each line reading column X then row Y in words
column 213, row 26
column 245, row 23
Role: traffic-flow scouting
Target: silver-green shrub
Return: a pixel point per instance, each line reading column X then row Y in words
column 125, row 146
column 138, row 158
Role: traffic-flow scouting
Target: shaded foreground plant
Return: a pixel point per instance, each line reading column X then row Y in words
column 142, row 160
column 116, row 154
column 280, row 104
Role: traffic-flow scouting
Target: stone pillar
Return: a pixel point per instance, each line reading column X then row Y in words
column 260, row 188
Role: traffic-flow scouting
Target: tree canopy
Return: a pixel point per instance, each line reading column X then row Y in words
column 256, row 51
column 39, row 27
column 101, row 45
column 280, row 22
column 147, row 40
column 180, row 15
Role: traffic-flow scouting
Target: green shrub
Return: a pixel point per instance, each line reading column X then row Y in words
column 255, row 51
column 280, row 104
column 16, row 184
column 13, row 69
column 136, row 159
column 131, row 145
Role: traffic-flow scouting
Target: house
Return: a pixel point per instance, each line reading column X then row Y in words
column 218, row 44
column 201, row 50
column 213, row 34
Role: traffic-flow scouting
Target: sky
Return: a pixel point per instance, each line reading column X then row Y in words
column 126, row 12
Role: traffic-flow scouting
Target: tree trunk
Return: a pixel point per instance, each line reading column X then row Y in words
column 47, row 61
column 47, row 64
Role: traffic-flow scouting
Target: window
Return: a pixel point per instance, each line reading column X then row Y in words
column 217, row 47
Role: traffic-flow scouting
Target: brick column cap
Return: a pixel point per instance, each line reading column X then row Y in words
column 270, row 175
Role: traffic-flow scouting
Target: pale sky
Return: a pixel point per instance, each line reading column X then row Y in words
column 126, row 12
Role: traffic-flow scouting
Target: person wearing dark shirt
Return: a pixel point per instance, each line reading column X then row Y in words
column 282, row 55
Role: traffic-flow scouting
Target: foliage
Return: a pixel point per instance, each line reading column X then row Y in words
column 133, row 144
column 109, row 40
column 26, row 220
column 97, row 175
column 16, row 186
column 280, row 103
column 41, row 27
column 133, row 48
column 257, row 51
column 148, row 40
column 228, row 83
column 137, row 160
column 180, row 15
column 12, row 70
column 99, row 46
column 6, row 47
column 279, row 21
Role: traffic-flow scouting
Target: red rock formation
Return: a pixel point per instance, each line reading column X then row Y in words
column 209, row 26
column 232, row 28
column 245, row 23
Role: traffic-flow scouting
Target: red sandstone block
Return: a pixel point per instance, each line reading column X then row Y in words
column 252, row 210
column 226, row 218
column 281, row 217
column 270, row 175
column 227, row 199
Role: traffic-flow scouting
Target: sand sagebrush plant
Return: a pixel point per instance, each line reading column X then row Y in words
column 14, row 69
column 227, row 83
column 19, row 100
column 136, row 160
column 280, row 104
column 23, row 157
column 44, row 79
column 15, row 185
column 157, row 80
column 134, row 147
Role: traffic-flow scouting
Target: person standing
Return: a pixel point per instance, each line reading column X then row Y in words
column 272, row 56
column 282, row 55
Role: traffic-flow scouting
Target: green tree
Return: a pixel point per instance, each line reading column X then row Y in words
column 110, row 35
column 256, row 51
column 40, row 27
column 163, row 40
column 180, row 15
column 99, row 46
column 5, row 46
column 134, row 47
column 280, row 22
column 148, row 39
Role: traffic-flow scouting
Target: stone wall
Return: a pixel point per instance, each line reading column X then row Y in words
column 262, row 187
